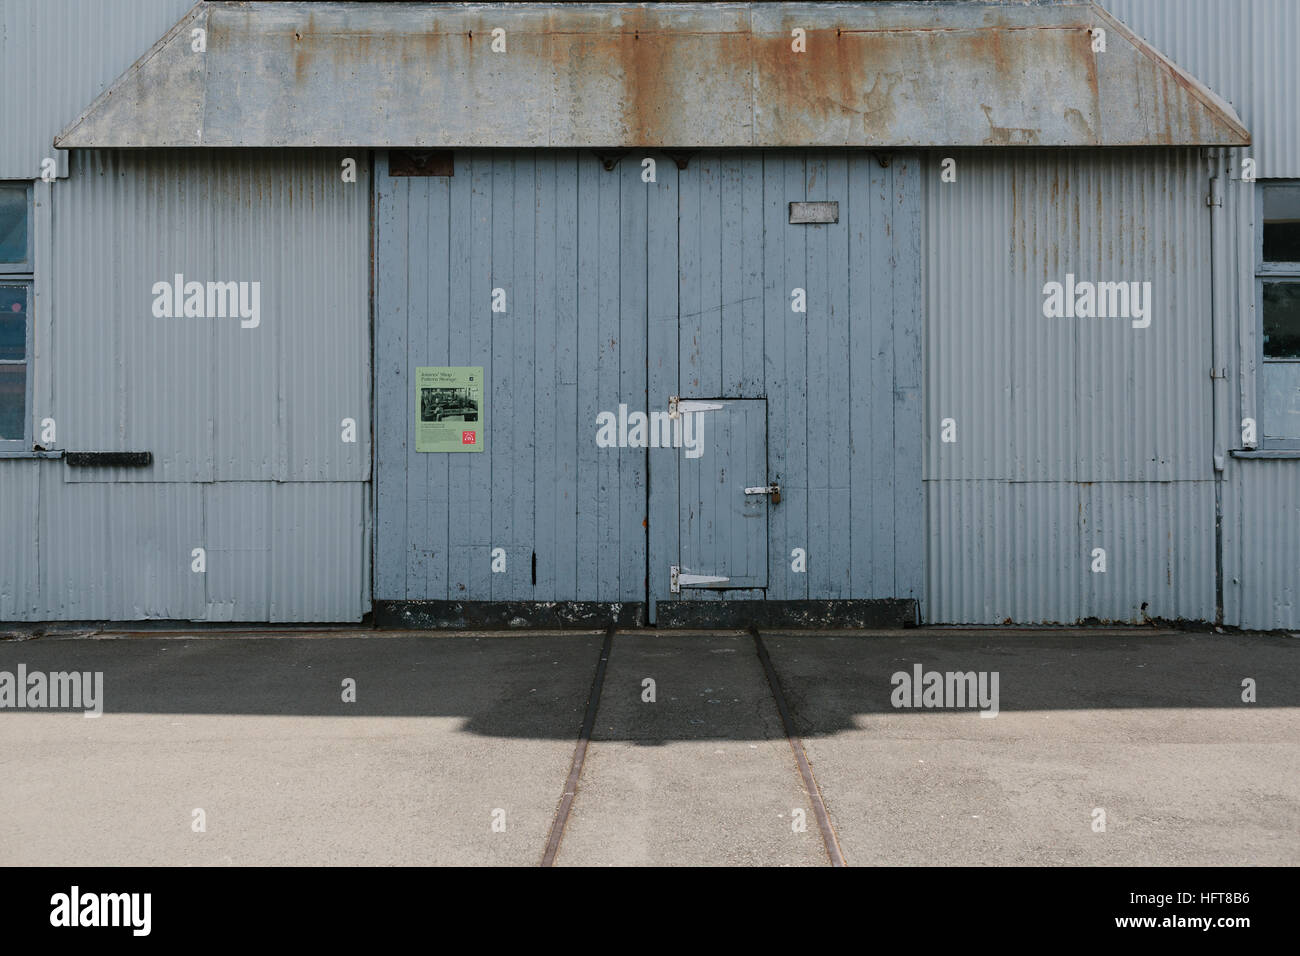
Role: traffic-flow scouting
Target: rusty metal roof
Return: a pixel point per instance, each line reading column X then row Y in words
column 663, row 75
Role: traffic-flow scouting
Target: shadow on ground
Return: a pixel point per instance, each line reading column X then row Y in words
column 706, row 685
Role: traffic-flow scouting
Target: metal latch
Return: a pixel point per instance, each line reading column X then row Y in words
column 680, row 579
column 773, row 489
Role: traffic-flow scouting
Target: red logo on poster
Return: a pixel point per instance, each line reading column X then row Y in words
column 467, row 438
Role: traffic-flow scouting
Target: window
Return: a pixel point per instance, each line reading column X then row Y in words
column 1277, row 281
column 15, row 312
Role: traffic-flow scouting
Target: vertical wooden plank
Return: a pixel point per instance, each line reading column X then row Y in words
column 690, row 355
column 690, row 296
column 691, row 536
column 525, row 319
column 440, row 329
column 662, row 378
column 795, row 504
column 838, row 584
column 909, row 492
column 588, row 376
column 732, row 276
column 709, row 271
column 475, row 520
column 501, row 423
column 392, row 415
column 572, row 430
column 714, row 519
column 751, row 288
column 880, row 321
column 418, row 546
column 822, row 389
column 776, row 313
column 460, row 295
column 859, row 225
column 609, row 351
column 633, row 518
column 754, row 530
column 545, row 500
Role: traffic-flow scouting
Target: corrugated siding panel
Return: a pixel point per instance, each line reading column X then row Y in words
column 1266, row 554
column 213, row 401
column 19, row 499
column 1039, row 399
column 61, row 54
column 98, row 551
column 1159, row 544
column 1022, row 552
column 226, row 411
column 280, row 552
column 118, row 552
column 1244, row 50
column 319, row 538
column 240, row 538
column 1002, row 551
column 1044, row 407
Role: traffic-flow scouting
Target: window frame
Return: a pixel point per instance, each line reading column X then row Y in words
column 23, row 274
column 24, row 268
column 1265, row 271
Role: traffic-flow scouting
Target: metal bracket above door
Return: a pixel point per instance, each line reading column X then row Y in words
column 677, row 407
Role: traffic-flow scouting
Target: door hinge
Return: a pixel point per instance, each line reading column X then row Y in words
column 680, row 579
column 678, row 406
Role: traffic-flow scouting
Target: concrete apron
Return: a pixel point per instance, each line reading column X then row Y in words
column 457, row 747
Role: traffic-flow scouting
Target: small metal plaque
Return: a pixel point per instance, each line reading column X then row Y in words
column 814, row 212
column 421, row 162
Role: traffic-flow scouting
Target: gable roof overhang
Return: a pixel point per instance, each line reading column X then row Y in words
column 688, row 75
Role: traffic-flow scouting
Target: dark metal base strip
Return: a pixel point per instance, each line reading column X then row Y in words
column 507, row 615
column 591, row 615
column 774, row 615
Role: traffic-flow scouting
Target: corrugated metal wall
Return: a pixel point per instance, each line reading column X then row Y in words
column 1261, row 498
column 59, row 55
column 1244, row 50
column 1072, row 433
column 625, row 292
column 1262, row 558
column 237, row 404
column 245, row 424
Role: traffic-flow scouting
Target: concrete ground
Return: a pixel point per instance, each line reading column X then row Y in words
column 457, row 748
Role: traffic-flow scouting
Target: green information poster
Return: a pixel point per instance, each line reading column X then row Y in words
column 449, row 412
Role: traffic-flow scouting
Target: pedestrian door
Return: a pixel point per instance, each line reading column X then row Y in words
column 724, row 494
